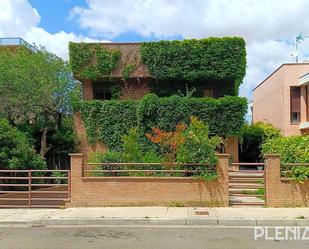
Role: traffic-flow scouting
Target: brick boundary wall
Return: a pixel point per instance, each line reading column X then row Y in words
column 140, row 191
column 283, row 192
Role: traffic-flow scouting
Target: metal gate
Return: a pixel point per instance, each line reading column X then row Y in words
column 34, row 188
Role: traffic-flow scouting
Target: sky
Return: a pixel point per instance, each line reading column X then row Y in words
column 268, row 26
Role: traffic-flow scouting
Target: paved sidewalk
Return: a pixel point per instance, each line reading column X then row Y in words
column 157, row 216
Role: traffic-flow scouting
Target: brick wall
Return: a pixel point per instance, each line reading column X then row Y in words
column 282, row 192
column 133, row 191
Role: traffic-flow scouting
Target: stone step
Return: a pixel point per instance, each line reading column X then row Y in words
column 245, row 185
column 245, row 195
column 240, row 190
column 246, row 180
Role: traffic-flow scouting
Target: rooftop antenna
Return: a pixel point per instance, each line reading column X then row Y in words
column 298, row 40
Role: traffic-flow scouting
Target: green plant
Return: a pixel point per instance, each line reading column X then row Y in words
column 92, row 61
column 293, row 149
column 132, row 148
column 59, row 174
column 210, row 59
column 16, row 151
column 251, row 138
column 128, row 70
column 300, row 217
column 108, row 121
column 198, row 147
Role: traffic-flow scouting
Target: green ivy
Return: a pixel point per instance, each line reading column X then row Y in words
column 108, row 121
column 92, row 61
column 210, row 59
column 128, row 70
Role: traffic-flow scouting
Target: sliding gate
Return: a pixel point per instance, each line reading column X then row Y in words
column 34, row 188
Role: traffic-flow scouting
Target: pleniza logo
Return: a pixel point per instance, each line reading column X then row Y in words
column 281, row 233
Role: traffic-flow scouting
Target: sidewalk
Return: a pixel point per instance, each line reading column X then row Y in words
column 136, row 216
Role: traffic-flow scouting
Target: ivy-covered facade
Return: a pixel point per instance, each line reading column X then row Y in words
column 212, row 67
column 158, row 84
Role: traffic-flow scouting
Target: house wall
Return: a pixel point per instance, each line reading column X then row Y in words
column 283, row 192
column 271, row 99
column 136, row 191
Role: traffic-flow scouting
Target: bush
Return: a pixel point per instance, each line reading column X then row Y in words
column 197, row 146
column 293, row 149
column 16, row 151
column 252, row 137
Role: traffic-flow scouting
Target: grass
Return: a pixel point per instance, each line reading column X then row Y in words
column 301, row 217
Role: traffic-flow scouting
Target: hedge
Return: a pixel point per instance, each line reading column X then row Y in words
column 108, row 121
column 293, row 149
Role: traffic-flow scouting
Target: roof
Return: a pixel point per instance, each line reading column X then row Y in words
column 280, row 67
column 16, row 41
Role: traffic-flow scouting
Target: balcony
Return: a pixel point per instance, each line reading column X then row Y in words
column 16, row 41
column 304, row 80
column 304, row 125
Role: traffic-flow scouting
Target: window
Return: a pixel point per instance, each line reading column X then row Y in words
column 208, row 92
column 295, row 104
column 102, row 94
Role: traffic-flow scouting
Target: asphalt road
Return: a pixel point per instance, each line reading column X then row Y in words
column 136, row 238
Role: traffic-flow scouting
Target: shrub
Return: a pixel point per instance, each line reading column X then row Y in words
column 293, row 149
column 252, row 137
column 16, row 151
column 197, row 146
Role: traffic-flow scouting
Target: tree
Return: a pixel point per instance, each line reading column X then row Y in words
column 251, row 139
column 35, row 88
column 16, row 151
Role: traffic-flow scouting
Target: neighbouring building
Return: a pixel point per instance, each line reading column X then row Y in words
column 282, row 99
column 13, row 43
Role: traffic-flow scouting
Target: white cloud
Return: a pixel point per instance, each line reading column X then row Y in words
column 266, row 25
column 56, row 43
column 251, row 19
column 19, row 19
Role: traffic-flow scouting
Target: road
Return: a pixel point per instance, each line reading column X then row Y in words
column 137, row 238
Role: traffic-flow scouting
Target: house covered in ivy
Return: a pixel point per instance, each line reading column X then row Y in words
column 183, row 78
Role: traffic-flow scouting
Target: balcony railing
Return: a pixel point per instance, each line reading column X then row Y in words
column 16, row 41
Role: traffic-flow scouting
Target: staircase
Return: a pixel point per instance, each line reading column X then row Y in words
column 246, row 185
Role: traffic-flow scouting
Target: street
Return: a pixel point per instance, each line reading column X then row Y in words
column 137, row 238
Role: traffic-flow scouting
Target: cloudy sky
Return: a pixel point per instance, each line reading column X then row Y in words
column 269, row 26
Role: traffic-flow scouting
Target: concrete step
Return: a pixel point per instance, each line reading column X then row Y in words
column 241, row 190
column 245, row 180
column 246, row 201
column 245, row 195
column 245, row 185
column 245, row 175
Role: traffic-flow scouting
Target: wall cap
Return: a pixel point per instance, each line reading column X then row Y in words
column 272, row 155
column 222, row 155
column 76, row 154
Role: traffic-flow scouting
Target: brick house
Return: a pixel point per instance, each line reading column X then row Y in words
column 140, row 82
column 282, row 99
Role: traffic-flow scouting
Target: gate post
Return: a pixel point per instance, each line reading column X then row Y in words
column 77, row 161
column 223, row 176
column 271, row 178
